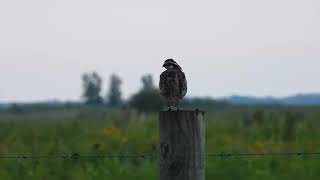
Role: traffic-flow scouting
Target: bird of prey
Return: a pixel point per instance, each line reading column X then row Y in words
column 173, row 84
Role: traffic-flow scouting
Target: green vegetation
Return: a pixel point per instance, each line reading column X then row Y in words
column 147, row 99
column 99, row 130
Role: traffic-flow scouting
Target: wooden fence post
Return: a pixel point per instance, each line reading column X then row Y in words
column 182, row 145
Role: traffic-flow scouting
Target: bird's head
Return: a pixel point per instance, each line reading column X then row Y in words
column 171, row 64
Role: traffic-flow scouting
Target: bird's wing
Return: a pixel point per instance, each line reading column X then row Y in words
column 183, row 85
column 162, row 83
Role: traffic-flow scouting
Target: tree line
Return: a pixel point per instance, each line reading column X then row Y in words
column 146, row 99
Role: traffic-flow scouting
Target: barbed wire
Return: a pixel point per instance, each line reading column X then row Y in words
column 76, row 156
column 144, row 156
column 265, row 154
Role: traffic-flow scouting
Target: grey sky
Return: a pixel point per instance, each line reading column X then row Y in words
column 250, row 47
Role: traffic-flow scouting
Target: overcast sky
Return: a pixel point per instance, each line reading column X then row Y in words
column 246, row 47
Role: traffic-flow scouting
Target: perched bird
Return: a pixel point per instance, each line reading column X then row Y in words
column 173, row 84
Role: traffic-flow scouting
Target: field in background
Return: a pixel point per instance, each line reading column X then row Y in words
column 99, row 130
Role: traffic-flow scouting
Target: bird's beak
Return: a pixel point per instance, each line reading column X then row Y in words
column 164, row 65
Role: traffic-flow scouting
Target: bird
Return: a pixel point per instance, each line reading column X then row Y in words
column 173, row 84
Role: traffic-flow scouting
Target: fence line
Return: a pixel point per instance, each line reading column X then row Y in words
column 75, row 156
column 144, row 156
column 265, row 154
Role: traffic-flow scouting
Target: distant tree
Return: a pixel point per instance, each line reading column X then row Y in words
column 147, row 82
column 148, row 98
column 16, row 109
column 92, row 83
column 114, row 98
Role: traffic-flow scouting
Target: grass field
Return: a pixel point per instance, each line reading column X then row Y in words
column 98, row 130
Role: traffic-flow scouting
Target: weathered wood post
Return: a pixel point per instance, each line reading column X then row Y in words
column 182, row 145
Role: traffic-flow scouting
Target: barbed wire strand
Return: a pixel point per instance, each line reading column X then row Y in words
column 144, row 156
column 265, row 154
column 75, row 156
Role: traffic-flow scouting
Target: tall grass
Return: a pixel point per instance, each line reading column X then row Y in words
column 98, row 130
